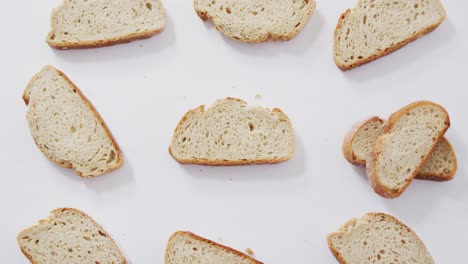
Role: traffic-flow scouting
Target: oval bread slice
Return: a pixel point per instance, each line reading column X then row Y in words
column 359, row 142
column 69, row 236
column 230, row 133
column 67, row 128
column 377, row 238
column 256, row 21
column 78, row 24
column 188, row 248
column 376, row 28
column 410, row 136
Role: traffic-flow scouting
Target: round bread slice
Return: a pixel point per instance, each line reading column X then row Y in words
column 361, row 139
column 79, row 24
column 377, row 238
column 187, row 248
column 67, row 128
column 256, row 21
column 230, row 133
column 69, row 236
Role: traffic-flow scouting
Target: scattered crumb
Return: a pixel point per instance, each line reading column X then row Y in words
column 258, row 96
column 249, row 251
column 141, row 46
column 201, row 170
column 230, row 179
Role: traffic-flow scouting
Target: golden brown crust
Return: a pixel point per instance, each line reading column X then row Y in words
column 219, row 246
column 372, row 162
column 352, row 222
column 347, row 147
column 96, row 113
column 104, row 42
column 387, row 51
column 59, row 210
column 269, row 36
column 200, row 161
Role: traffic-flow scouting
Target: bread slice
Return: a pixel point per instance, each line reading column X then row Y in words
column 187, row 248
column 69, row 236
column 230, row 133
column 256, row 21
column 67, row 128
column 441, row 165
column 376, row 28
column 409, row 138
column 377, row 238
column 78, row 24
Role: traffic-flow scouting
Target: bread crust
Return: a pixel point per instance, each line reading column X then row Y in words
column 347, row 148
column 350, row 156
column 269, row 36
column 67, row 164
column 387, row 51
column 104, row 42
column 441, row 177
column 59, row 210
column 217, row 245
column 200, row 161
column 372, row 162
column 344, row 229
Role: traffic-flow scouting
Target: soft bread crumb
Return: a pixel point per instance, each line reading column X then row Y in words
column 256, row 21
column 249, row 251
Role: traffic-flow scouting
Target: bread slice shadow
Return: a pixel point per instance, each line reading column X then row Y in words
column 405, row 57
column 153, row 46
column 104, row 183
column 298, row 45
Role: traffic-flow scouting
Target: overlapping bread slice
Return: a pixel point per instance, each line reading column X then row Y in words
column 377, row 238
column 231, row 133
column 256, row 21
column 77, row 24
column 69, row 236
column 67, row 128
column 187, row 248
column 375, row 28
column 361, row 139
column 408, row 140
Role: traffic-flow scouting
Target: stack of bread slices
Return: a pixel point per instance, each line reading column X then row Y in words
column 410, row 144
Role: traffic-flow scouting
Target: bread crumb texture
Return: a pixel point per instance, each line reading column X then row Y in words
column 257, row 21
column 231, row 133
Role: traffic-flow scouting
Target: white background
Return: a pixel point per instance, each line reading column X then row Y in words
column 283, row 212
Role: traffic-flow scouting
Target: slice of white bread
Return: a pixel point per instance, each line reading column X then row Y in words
column 69, row 236
column 187, row 248
column 67, row 128
column 256, row 21
column 230, row 133
column 80, row 24
column 377, row 238
column 410, row 136
column 376, row 28
column 358, row 143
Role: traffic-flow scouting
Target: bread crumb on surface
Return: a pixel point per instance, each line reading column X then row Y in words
column 249, row 251
column 258, row 96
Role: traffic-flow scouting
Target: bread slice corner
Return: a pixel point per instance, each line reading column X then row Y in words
column 67, row 128
column 256, row 21
column 377, row 238
column 187, row 248
column 374, row 29
column 78, row 24
column 69, row 234
column 410, row 137
column 231, row 133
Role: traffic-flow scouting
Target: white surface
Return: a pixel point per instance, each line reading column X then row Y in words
column 283, row 212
